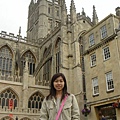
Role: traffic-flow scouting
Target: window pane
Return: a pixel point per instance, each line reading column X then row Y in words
column 31, row 61
column 95, row 86
column 93, row 59
column 109, row 81
column 91, row 39
column 106, row 53
column 103, row 32
column 35, row 101
column 6, row 96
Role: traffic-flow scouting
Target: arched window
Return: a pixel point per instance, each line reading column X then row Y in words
column 57, row 52
column 25, row 118
column 31, row 62
column 47, row 70
column 47, row 63
column 7, row 118
column 35, row 101
column 5, row 61
column 7, row 96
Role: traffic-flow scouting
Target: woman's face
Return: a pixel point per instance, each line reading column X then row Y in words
column 59, row 84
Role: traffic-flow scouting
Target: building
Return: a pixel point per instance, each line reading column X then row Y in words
column 59, row 42
column 101, row 58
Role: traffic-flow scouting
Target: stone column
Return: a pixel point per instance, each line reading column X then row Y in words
column 25, row 85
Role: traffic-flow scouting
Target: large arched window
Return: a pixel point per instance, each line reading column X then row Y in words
column 57, row 52
column 5, row 61
column 31, row 61
column 35, row 101
column 25, row 118
column 47, row 70
column 6, row 96
column 7, row 118
column 47, row 63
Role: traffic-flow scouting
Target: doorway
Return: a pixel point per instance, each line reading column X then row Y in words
column 108, row 111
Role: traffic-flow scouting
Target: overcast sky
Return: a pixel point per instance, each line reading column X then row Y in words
column 14, row 13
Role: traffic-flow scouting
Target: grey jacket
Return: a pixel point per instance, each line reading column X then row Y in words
column 70, row 110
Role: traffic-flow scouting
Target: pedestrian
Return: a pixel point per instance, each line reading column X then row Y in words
column 16, row 118
column 59, row 104
column 103, row 117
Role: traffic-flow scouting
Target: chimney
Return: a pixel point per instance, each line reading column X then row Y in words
column 117, row 11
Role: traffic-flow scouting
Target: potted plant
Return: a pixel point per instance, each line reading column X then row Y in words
column 86, row 110
column 116, row 104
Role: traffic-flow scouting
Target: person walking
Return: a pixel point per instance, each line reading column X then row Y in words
column 59, row 104
column 103, row 117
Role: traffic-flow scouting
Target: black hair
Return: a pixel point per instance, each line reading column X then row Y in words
column 53, row 90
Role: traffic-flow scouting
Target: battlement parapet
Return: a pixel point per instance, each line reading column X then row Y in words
column 11, row 36
column 79, row 17
column 19, row 38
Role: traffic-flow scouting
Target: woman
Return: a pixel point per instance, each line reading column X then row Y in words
column 51, row 104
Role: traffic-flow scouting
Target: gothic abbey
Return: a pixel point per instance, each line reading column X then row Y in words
column 86, row 51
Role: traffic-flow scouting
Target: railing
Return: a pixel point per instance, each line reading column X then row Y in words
column 11, row 78
column 42, row 82
column 19, row 110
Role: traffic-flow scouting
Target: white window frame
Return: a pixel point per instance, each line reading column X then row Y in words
column 109, row 81
column 103, row 31
column 50, row 0
column 91, row 39
column 106, row 53
column 93, row 59
column 95, row 86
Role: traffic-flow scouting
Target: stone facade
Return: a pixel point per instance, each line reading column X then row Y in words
column 59, row 42
column 102, row 68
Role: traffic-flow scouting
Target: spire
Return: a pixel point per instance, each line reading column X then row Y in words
column 32, row 1
column 73, row 14
column 95, row 18
column 64, row 8
column 83, row 12
column 17, row 56
column 19, row 30
column 64, row 13
column 72, row 5
column 62, row 2
column 31, row 7
column 19, row 34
